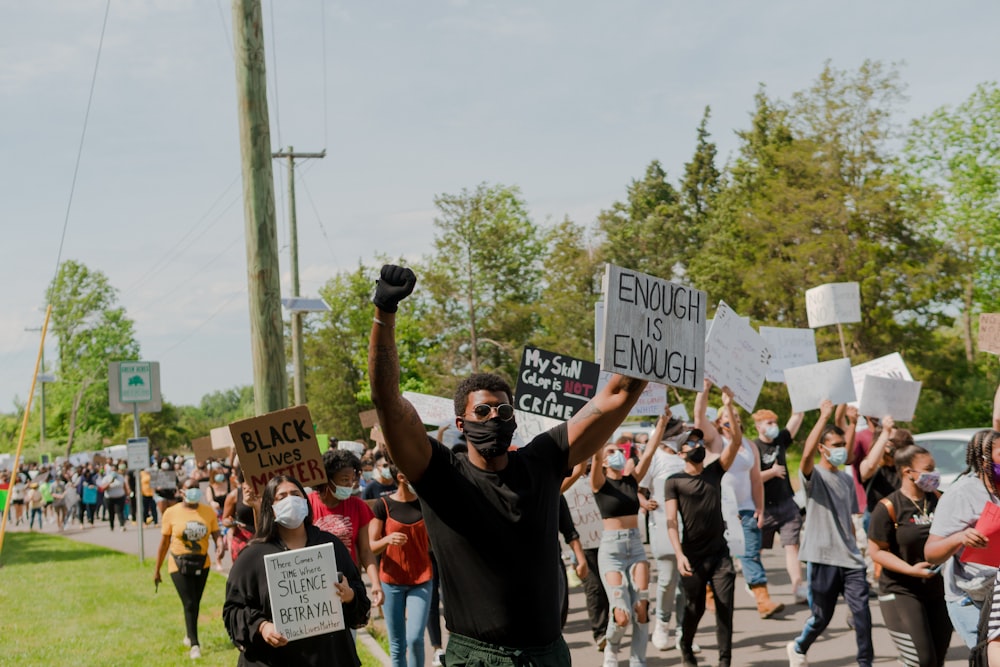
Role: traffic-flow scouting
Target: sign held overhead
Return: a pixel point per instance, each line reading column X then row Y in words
column 279, row 443
column 833, row 303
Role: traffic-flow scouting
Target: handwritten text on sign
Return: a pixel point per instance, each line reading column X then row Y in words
column 653, row 329
column 736, row 357
column 279, row 443
column 586, row 516
column 300, row 584
column 889, row 366
column 789, row 348
column 554, row 385
column 833, row 303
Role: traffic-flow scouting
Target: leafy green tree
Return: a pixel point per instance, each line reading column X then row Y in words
column 699, row 189
column 955, row 153
column 92, row 330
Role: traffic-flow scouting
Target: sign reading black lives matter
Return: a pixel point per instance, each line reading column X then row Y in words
column 300, row 584
column 554, row 385
column 653, row 329
column 279, row 443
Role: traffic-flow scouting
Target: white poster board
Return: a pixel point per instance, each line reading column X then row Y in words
column 651, row 401
column 789, row 348
column 809, row 385
column 529, row 425
column 833, row 303
column 433, row 410
column 300, row 583
column 889, row 396
column 653, row 329
column 586, row 516
column 889, row 366
column 736, row 357
column 680, row 411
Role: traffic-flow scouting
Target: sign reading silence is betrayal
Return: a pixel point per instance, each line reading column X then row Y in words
column 653, row 329
column 279, row 443
column 554, row 385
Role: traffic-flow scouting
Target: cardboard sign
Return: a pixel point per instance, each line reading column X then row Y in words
column 789, row 348
column 203, row 449
column 433, row 410
column 554, row 385
column 222, row 440
column 651, row 401
column 162, row 479
column 586, row 516
column 889, row 396
column 736, row 357
column 833, row 303
column 989, row 333
column 279, row 443
column 809, row 385
column 653, row 329
column 300, row 583
column 368, row 418
column 889, row 366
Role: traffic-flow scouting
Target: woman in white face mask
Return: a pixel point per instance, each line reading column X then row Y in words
column 285, row 523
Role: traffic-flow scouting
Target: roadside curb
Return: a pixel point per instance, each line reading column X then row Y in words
column 373, row 647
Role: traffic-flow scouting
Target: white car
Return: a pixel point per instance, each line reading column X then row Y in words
column 948, row 449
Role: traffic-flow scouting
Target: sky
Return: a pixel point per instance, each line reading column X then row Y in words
column 567, row 100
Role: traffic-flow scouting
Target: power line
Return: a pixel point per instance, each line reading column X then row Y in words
column 204, row 322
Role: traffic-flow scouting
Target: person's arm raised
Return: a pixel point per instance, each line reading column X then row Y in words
column 404, row 432
column 651, row 446
column 701, row 420
column 794, row 423
column 812, row 440
column 590, row 428
column 733, row 448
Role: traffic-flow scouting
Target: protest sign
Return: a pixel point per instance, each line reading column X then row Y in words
column 989, row 333
column 279, row 443
column 989, row 525
column 833, row 303
column 203, row 449
column 889, row 396
column 368, row 418
column 651, row 401
column 300, row 583
column 680, row 411
column 586, row 516
column 789, row 348
column 433, row 410
column 809, row 385
column 889, row 366
column 162, row 479
column 554, row 385
column 529, row 425
column 653, row 329
column 736, row 357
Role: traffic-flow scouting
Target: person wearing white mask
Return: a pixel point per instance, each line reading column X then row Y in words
column 285, row 524
column 186, row 528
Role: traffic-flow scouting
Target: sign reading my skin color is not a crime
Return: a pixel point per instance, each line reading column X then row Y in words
column 300, row 584
column 279, row 443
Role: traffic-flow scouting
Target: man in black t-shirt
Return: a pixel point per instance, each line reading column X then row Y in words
column 781, row 513
column 703, row 555
column 492, row 515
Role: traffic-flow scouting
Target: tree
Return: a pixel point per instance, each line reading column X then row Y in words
column 700, row 188
column 91, row 330
column 956, row 155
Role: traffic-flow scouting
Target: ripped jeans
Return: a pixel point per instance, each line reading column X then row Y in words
column 621, row 551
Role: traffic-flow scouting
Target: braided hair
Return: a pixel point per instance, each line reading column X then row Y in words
column 979, row 457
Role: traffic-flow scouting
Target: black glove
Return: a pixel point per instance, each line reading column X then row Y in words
column 395, row 285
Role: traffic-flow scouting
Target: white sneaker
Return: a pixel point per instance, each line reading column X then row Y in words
column 195, row 652
column 438, row 654
column 660, row 638
column 187, row 642
column 795, row 659
column 610, row 656
column 694, row 647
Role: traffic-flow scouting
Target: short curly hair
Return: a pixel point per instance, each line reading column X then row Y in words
column 335, row 460
column 477, row 382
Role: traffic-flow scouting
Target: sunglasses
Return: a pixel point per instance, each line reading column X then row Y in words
column 505, row 411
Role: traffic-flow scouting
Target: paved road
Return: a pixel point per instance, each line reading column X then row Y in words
column 756, row 642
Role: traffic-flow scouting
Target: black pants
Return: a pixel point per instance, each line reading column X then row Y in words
column 88, row 510
column 190, row 588
column 597, row 597
column 718, row 572
column 115, row 507
column 920, row 628
column 434, row 617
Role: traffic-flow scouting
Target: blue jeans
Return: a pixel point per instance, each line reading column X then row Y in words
column 964, row 615
column 620, row 551
column 406, row 609
column 753, row 569
column 826, row 583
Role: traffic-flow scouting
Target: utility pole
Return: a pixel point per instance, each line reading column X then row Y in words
column 267, row 340
column 297, row 357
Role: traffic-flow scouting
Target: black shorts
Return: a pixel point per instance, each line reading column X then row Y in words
column 783, row 518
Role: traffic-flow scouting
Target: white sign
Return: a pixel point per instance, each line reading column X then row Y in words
column 680, row 411
column 833, row 303
column 653, row 329
column 889, row 396
column 809, row 385
column 300, row 583
column 222, row 438
column 789, row 348
column 135, row 383
column 651, row 401
column 138, row 453
column 889, row 366
column 586, row 516
column 432, row 409
column 530, row 425
column 736, row 357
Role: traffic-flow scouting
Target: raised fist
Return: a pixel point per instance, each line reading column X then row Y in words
column 395, row 284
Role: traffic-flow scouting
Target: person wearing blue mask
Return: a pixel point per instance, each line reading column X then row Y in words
column 382, row 483
column 829, row 546
column 186, row 528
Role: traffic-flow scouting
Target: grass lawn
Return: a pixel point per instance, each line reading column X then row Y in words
column 67, row 602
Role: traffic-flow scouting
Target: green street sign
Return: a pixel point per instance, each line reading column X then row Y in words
column 135, row 382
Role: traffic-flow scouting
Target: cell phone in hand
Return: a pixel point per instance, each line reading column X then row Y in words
column 936, row 568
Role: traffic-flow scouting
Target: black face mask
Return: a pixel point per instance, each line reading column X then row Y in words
column 491, row 438
column 696, row 455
